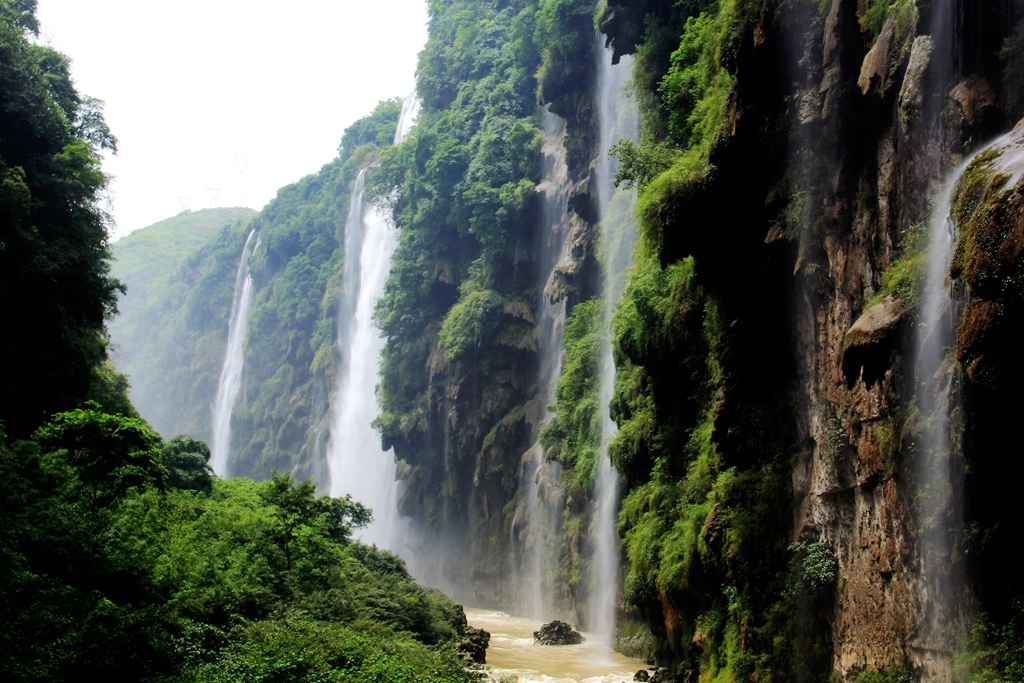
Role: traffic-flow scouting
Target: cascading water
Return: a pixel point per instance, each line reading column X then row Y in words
column 410, row 110
column 230, row 383
column 356, row 463
column 936, row 392
column 618, row 118
column 936, row 379
column 534, row 521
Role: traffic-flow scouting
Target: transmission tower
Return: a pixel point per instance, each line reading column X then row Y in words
column 214, row 192
column 186, row 203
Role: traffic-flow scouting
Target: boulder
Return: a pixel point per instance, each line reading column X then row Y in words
column 876, row 323
column 557, row 633
column 474, row 644
column 869, row 342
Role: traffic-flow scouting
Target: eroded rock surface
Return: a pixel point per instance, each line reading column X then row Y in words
column 557, row 633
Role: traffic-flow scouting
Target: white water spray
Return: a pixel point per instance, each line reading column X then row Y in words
column 356, row 463
column 410, row 110
column 535, row 521
column 618, row 118
column 936, row 379
column 230, row 383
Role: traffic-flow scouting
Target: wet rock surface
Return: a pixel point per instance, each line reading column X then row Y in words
column 659, row 675
column 474, row 644
column 557, row 633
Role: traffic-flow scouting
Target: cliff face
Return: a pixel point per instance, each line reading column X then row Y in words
column 857, row 121
column 888, row 149
column 782, row 515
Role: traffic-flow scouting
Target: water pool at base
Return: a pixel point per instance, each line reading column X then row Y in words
column 512, row 653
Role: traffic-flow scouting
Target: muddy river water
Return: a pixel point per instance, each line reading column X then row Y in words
column 512, row 654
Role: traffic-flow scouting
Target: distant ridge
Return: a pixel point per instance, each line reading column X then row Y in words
column 170, row 240
column 160, row 320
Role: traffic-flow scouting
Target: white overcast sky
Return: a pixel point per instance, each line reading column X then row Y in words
column 196, row 89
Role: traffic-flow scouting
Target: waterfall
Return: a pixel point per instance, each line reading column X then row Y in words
column 410, row 110
column 356, row 463
column 936, row 385
column 939, row 475
column 534, row 521
column 230, row 383
column 618, row 118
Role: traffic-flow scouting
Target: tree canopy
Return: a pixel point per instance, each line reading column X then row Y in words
column 55, row 287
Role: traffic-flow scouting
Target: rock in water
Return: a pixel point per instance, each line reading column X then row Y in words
column 474, row 644
column 557, row 633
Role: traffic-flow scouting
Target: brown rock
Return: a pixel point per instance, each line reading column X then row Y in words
column 974, row 95
column 875, row 324
column 876, row 61
column 911, row 93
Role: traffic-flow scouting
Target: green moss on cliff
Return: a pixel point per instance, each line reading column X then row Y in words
column 573, row 439
column 987, row 211
column 700, row 442
column 458, row 311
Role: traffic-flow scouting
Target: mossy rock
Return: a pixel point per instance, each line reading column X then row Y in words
column 988, row 209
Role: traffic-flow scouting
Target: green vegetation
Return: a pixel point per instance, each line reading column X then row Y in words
column 180, row 275
column 156, row 252
column 152, row 342
column 458, row 311
column 706, row 494
column 55, row 287
column 124, row 560
column 995, row 654
column 902, row 278
column 877, row 12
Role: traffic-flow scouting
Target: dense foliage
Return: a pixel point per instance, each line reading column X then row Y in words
column 457, row 313
column 123, row 559
column 180, row 275
column 706, row 493
column 169, row 270
column 55, row 287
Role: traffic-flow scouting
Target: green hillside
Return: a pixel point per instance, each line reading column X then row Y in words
column 156, row 252
column 158, row 265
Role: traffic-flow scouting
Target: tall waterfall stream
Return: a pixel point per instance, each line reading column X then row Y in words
column 355, row 460
column 618, row 118
column 230, row 383
column 535, row 520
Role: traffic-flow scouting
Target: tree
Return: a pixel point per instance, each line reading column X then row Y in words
column 55, row 289
column 188, row 464
column 108, row 454
column 303, row 519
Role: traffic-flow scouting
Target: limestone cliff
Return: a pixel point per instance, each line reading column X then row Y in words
column 806, row 224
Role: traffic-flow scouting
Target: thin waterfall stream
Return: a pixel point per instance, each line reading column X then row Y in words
column 618, row 118
column 935, row 382
column 230, row 383
column 536, row 518
column 356, row 463
column 936, row 391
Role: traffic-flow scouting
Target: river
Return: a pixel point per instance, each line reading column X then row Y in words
column 513, row 656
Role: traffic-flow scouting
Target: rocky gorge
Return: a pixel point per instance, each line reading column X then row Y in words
column 698, row 332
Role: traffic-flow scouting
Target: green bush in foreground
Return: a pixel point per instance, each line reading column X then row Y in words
column 116, row 563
